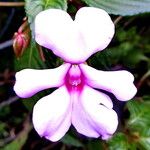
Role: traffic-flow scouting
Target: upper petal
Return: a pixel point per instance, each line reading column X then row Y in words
column 74, row 41
column 31, row 81
column 96, row 27
column 120, row 83
column 52, row 115
column 93, row 115
column 55, row 30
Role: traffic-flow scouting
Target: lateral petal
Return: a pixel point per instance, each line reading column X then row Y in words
column 52, row 115
column 120, row 83
column 96, row 27
column 55, row 30
column 92, row 114
column 31, row 81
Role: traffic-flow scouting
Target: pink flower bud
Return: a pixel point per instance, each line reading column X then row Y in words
column 21, row 40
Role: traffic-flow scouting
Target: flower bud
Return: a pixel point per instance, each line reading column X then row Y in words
column 21, row 39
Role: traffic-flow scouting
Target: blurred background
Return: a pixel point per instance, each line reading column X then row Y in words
column 129, row 49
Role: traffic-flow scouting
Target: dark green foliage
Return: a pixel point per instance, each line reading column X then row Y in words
column 120, row 7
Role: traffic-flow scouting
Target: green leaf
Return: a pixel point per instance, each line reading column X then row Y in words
column 139, row 115
column 128, row 51
column 120, row 142
column 60, row 4
column 30, row 59
column 33, row 7
column 2, row 129
column 137, row 135
column 70, row 140
column 100, row 60
column 144, row 138
column 120, row 7
column 95, row 144
column 139, row 122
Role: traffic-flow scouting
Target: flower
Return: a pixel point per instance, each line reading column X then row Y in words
column 75, row 101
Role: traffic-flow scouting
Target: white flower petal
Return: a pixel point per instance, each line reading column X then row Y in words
column 31, row 81
column 96, row 27
column 120, row 83
column 52, row 115
column 93, row 115
column 74, row 41
column 55, row 30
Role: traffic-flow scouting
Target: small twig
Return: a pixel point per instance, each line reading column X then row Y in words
column 63, row 147
column 40, row 52
column 117, row 19
column 11, row 4
column 6, row 44
column 144, row 77
column 9, row 101
column 128, row 22
column 8, row 139
column 21, row 136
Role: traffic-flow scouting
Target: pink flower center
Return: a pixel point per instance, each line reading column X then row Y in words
column 74, row 79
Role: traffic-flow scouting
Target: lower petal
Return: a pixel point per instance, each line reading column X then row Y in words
column 120, row 83
column 52, row 115
column 93, row 115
